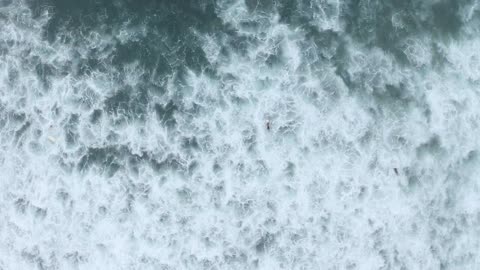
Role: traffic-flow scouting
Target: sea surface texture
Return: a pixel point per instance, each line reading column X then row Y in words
column 133, row 134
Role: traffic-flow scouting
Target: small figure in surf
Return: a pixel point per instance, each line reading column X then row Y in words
column 268, row 125
column 395, row 170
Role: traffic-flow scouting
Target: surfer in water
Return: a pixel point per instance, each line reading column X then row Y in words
column 268, row 125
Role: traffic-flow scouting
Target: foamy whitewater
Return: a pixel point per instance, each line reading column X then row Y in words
column 133, row 134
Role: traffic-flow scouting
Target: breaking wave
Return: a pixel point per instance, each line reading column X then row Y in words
column 133, row 134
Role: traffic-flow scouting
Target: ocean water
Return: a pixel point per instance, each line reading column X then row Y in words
column 133, row 134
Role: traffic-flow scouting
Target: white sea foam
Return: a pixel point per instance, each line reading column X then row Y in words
column 318, row 189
